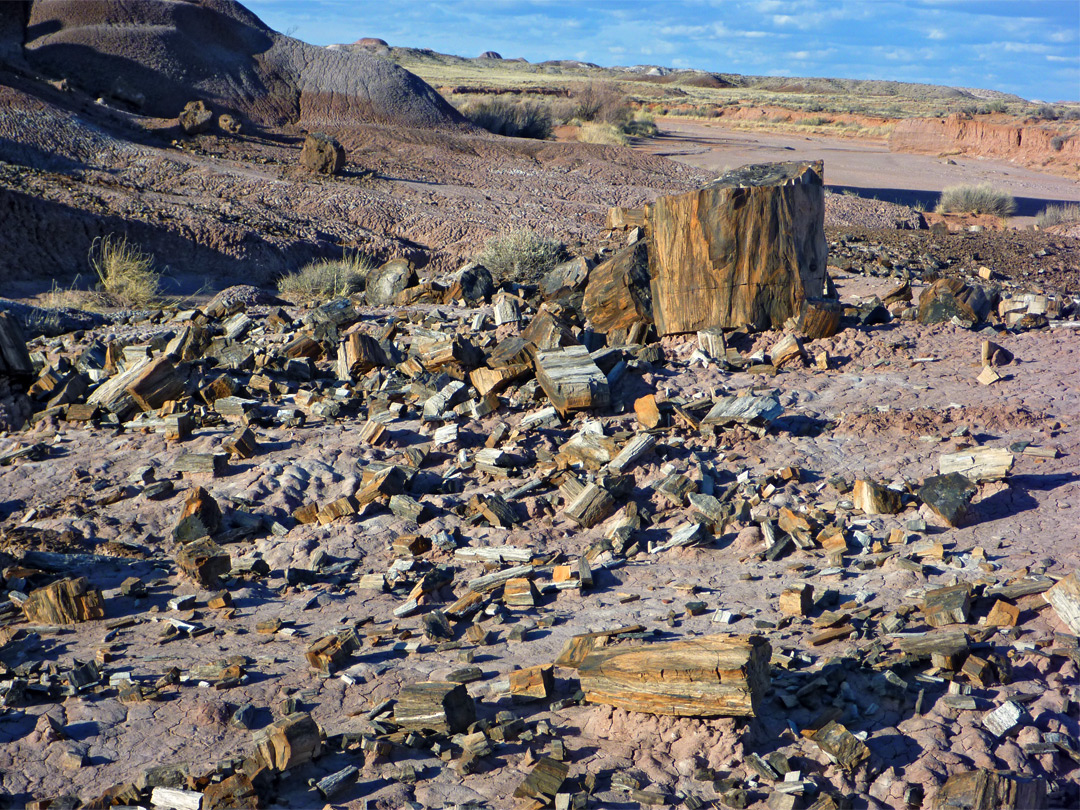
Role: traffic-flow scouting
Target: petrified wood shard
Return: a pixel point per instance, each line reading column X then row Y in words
column 702, row 677
column 745, row 250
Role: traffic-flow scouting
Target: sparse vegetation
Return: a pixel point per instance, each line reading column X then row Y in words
column 326, row 279
column 520, row 255
column 603, row 134
column 1058, row 215
column 514, row 118
column 1047, row 112
column 127, row 277
column 980, row 199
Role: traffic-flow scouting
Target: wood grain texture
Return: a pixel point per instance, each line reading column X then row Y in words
column 571, row 380
column 746, row 250
column 700, row 677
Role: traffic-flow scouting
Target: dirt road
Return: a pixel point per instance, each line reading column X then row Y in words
column 866, row 167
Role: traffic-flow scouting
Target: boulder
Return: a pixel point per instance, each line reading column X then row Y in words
column 322, row 154
column 195, row 118
column 230, row 124
column 744, row 251
column 385, row 282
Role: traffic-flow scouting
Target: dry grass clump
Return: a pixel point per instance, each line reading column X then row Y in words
column 603, row 134
column 127, row 277
column 1058, row 215
column 520, row 255
column 326, row 279
column 511, row 117
column 980, row 199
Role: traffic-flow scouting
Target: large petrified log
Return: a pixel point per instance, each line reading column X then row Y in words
column 745, row 250
column 701, row 677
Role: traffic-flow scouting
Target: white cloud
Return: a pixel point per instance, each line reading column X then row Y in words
column 935, row 33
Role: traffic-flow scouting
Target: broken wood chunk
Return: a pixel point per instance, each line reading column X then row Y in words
column 158, row 382
column 945, row 606
column 534, row 683
column 647, row 412
column 1065, row 599
column 700, row 677
column 991, row 790
column 242, row 443
column 204, row 561
column 843, row 747
column 980, row 464
column 544, row 781
column 949, row 497
column 747, row 410
column 592, row 505
column 66, row 601
column 571, row 380
column 797, row 600
column 435, row 706
column 874, row 499
column 292, row 741
column 330, row 652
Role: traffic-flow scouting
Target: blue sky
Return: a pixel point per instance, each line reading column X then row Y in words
column 1027, row 47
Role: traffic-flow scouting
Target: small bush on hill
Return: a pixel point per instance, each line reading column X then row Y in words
column 511, row 117
column 1047, row 112
column 981, row 199
column 1058, row 214
column 326, row 279
column 520, row 255
column 127, row 276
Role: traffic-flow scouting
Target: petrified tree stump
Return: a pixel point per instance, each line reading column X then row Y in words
column 618, row 295
column 745, row 250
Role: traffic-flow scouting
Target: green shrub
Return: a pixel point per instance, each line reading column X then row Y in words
column 816, row 120
column 326, row 279
column 127, row 276
column 1058, row 214
column 997, row 106
column 1047, row 112
column 511, row 117
column 980, row 199
column 520, row 255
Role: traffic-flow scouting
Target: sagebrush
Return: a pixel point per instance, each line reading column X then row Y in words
column 514, row 118
column 326, row 279
column 980, row 199
column 1058, row 215
column 127, row 276
column 520, row 255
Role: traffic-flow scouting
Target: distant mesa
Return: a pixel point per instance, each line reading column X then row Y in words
column 372, row 43
column 491, row 55
column 169, row 53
